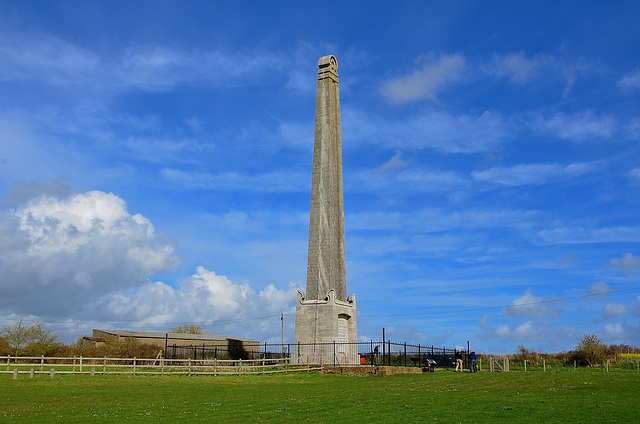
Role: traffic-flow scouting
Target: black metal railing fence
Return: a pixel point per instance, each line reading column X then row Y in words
column 379, row 353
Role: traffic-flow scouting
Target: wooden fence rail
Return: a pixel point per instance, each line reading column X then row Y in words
column 80, row 365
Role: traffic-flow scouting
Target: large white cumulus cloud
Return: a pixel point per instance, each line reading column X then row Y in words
column 221, row 306
column 58, row 254
column 83, row 258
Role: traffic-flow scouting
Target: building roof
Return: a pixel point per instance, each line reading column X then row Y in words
column 174, row 336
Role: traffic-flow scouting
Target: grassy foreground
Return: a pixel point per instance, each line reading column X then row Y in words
column 583, row 396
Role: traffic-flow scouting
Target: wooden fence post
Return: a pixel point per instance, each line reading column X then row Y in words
column 8, row 360
column 93, row 371
column 80, row 364
column 15, row 374
column 525, row 365
column 51, row 373
column 32, row 373
column 134, row 365
column 544, row 365
column 574, row 365
column 104, row 366
column 42, row 364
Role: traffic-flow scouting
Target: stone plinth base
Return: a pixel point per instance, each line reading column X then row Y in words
column 326, row 331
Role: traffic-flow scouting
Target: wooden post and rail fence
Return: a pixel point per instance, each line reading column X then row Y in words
column 159, row 366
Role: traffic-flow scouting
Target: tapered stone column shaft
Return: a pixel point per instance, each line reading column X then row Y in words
column 326, row 265
column 326, row 326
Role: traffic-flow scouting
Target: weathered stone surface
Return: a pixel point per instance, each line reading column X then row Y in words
column 325, row 316
column 326, row 267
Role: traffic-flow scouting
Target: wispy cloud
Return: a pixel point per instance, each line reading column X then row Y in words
column 630, row 82
column 431, row 129
column 519, row 68
column 47, row 59
column 437, row 220
column 578, row 127
column 532, row 174
column 522, row 69
column 425, row 82
column 571, row 235
column 407, row 180
column 274, row 182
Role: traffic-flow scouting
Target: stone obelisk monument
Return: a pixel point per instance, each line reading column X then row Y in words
column 326, row 329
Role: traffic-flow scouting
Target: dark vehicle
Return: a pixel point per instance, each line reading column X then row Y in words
column 444, row 361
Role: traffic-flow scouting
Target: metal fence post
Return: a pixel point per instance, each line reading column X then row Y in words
column 405, row 354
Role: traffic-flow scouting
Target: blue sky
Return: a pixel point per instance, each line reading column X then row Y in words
column 155, row 166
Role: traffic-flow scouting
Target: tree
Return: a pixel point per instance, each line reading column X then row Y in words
column 34, row 336
column 591, row 350
column 42, row 341
column 19, row 335
column 191, row 328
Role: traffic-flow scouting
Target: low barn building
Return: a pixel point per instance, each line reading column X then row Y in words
column 183, row 345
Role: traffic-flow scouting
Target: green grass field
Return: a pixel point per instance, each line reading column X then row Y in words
column 583, row 396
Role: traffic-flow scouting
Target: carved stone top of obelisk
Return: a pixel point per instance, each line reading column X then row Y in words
column 326, row 267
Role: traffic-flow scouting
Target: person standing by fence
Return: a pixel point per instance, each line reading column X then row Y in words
column 473, row 358
column 458, row 356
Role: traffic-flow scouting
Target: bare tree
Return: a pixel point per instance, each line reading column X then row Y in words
column 191, row 328
column 19, row 335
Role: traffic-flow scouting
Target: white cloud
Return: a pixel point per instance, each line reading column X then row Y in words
column 613, row 331
column 274, row 182
column 635, row 307
column 621, row 333
column 550, row 335
column 424, row 83
column 631, row 81
column 484, row 321
column 531, row 174
column 396, row 162
column 599, row 287
column 628, row 264
column 429, row 129
column 60, row 254
column 406, row 180
column 614, row 310
column 633, row 128
column 578, row 127
column 529, row 305
column 436, row 220
column 571, row 235
column 519, row 68
column 221, row 306
column 50, row 60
